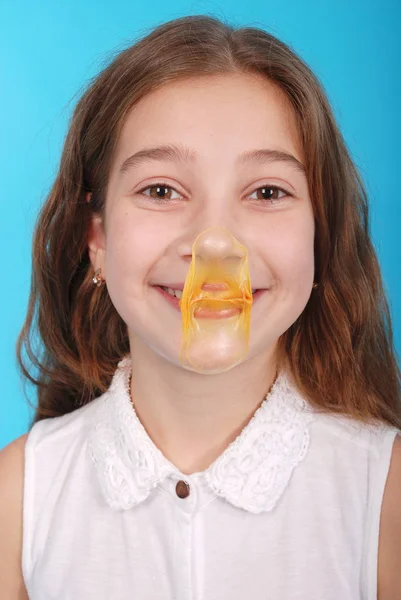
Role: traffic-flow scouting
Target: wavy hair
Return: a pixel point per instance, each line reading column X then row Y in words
column 340, row 350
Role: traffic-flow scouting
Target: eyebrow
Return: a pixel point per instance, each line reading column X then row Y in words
column 174, row 153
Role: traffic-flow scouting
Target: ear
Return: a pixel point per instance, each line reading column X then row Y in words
column 96, row 243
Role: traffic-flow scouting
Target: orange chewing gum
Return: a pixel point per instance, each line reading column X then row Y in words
column 216, row 304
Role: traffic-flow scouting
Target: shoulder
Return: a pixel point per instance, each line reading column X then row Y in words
column 12, row 464
column 389, row 562
column 11, row 503
column 14, row 448
column 12, row 467
column 50, row 438
column 353, row 440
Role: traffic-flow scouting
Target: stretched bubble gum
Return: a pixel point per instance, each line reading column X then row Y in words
column 216, row 304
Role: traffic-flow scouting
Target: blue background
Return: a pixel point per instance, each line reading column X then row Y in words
column 50, row 49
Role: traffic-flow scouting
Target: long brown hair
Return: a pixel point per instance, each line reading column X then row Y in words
column 340, row 350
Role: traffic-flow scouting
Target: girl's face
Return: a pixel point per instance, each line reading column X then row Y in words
column 159, row 201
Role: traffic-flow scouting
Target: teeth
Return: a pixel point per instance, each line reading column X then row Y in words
column 176, row 293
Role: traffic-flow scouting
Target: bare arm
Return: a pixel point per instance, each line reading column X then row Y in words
column 11, row 501
column 389, row 567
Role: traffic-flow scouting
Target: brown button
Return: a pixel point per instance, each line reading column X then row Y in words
column 182, row 489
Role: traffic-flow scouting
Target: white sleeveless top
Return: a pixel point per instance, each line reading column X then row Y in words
column 289, row 511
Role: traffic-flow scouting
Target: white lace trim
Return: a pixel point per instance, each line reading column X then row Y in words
column 252, row 473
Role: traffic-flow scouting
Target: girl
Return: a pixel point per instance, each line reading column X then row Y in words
column 279, row 478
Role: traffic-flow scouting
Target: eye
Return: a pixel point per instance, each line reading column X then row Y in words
column 269, row 193
column 160, row 192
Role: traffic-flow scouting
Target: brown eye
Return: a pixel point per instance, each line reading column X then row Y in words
column 159, row 192
column 270, row 193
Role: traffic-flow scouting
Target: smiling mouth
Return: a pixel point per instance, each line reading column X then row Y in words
column 218, row 311
column 178, row 293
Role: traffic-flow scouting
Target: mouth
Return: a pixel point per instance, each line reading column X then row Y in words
column 174, row 296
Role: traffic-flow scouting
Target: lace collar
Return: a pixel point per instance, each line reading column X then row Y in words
column 252, row 473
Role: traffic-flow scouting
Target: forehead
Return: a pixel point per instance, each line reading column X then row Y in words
column 221, row 113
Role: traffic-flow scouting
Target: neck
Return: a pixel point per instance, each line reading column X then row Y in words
column 193, row 417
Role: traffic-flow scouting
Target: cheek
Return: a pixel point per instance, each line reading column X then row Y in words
column 125, row 261
column 133, row 246
column 292, row 251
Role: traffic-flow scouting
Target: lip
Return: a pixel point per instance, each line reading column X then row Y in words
column 216, row 314
column 206, row 286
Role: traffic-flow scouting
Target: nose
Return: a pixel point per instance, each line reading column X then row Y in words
column 217, row 251
column 216, row 244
